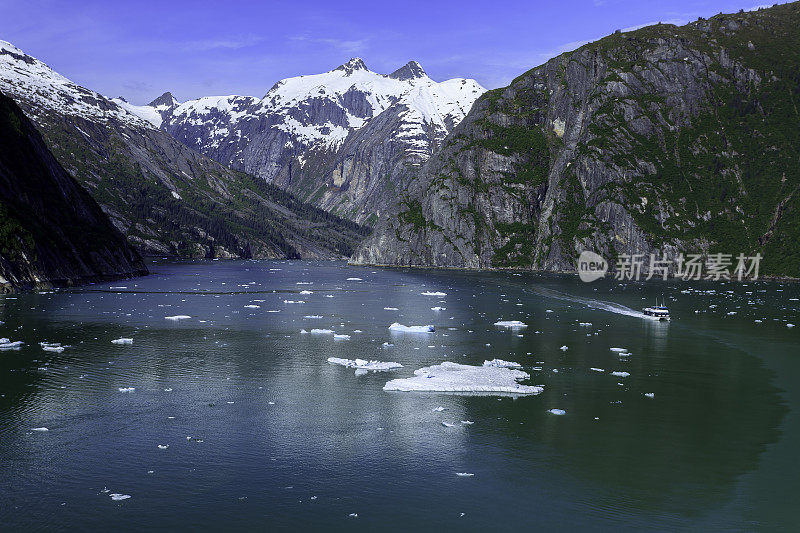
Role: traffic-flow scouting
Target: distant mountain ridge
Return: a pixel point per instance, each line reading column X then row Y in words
column 306, row 133
column 166, row 198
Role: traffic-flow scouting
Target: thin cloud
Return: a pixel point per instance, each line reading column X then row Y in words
column 346, row 46
column 236, row 43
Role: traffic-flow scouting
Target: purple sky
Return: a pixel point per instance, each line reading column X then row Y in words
column 196, row 48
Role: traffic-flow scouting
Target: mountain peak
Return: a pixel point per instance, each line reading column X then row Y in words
column 354, row 64
column 165, row 99
column 410, row 71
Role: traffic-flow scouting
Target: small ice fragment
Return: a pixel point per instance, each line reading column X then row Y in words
column 499, row 363
column 620, row 374
column 564, row 348
column 397, row 327
column 353, row 515
column 439, row 409
column 163, row 446
column 390, row 309
column 341, row 336
column 511, row 324
column 363, row 364
column 127, row 389
column 306, row 292
column 40, row 429
column 8, row 345
column 650, row 394
column 435, row 293
column 619, row 350
column 557, row 412
column 597, row 369
column 122, row 340
column 117, row 497
column 464, row 474
column 354, row 279
column 789, row 325
column 467, row 422
column 437, row 308
column 447, row 424
column 177, row 317
column 313, row 316
column 320, row 331
column 252, row 306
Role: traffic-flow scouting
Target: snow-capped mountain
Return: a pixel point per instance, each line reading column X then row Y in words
column 295, row 134
column 165, row 197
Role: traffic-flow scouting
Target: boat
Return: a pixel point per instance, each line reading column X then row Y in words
column 656, row 312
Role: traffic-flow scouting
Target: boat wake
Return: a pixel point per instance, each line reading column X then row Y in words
column 611, row 307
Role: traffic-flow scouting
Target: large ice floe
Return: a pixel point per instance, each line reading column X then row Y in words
column 178, row 317
column 363, row 364
column 400, row 328
column 433, row 293
column 454, row 377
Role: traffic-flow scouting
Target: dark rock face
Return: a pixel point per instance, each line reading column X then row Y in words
column 663, row 140
column 51, row 230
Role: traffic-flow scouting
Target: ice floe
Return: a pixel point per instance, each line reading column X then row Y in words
column 321, row 331
column 252, row 306
column 122, row 340
column 437, row 308
column 177, row 317
column 354, row 279
column 621, row 374
column 511, row 324
column 127, row 389
column 117, row 496
column 52, row 347
column 411, row 329
column 41, row 429
column 454, row 377
column 341, row 336
column 564, row 348
column 6, row 344
column 650, row 394
column 464, row 474
column 597, row 369
column 390, row 309
column 434, row 293
column 558, row 412
column 363, row 364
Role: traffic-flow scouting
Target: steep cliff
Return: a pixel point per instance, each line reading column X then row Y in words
column 51, row 230
column 661, row 140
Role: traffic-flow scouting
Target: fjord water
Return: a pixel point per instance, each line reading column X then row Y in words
column 263, row 432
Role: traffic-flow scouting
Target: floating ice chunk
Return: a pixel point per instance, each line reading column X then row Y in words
column 303, row 331
column 8, row 345
column 499, row 363
column 650, row 394
column 40, row 429
column 619, row 350
column 558, row 412
column 390, row 309
column 464, row 474
column 293, row 302
column 585, row 324
column 467, row 422
column 597, row 369
column 178, row 317
column 448, row 424
column 434, row 293
column 117, row 497
column 437, row 308
column 564, row 348
column 439, row 409
column 387, row 344
column 353, row 515
column 313, row 316
column 374, row 366
column 454, row 377
column 341, row 336
column 163, row 446
column 511, row 324
column 306, row 292
column 122, row 340
column 411, row 329
column 354, row 279
column 52, row 347
column 127, row 389
column 789, row 325
column 620, row 374
column 320, row 331
column 252, row 306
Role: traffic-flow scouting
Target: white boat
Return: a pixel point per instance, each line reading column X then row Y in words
column 656, row 312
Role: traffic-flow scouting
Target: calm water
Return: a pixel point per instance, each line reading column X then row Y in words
column 281, row 438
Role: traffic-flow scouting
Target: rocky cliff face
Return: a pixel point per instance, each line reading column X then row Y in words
column 661, row 140
column 165, row 197
column 341, row 140
column 51, row 231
